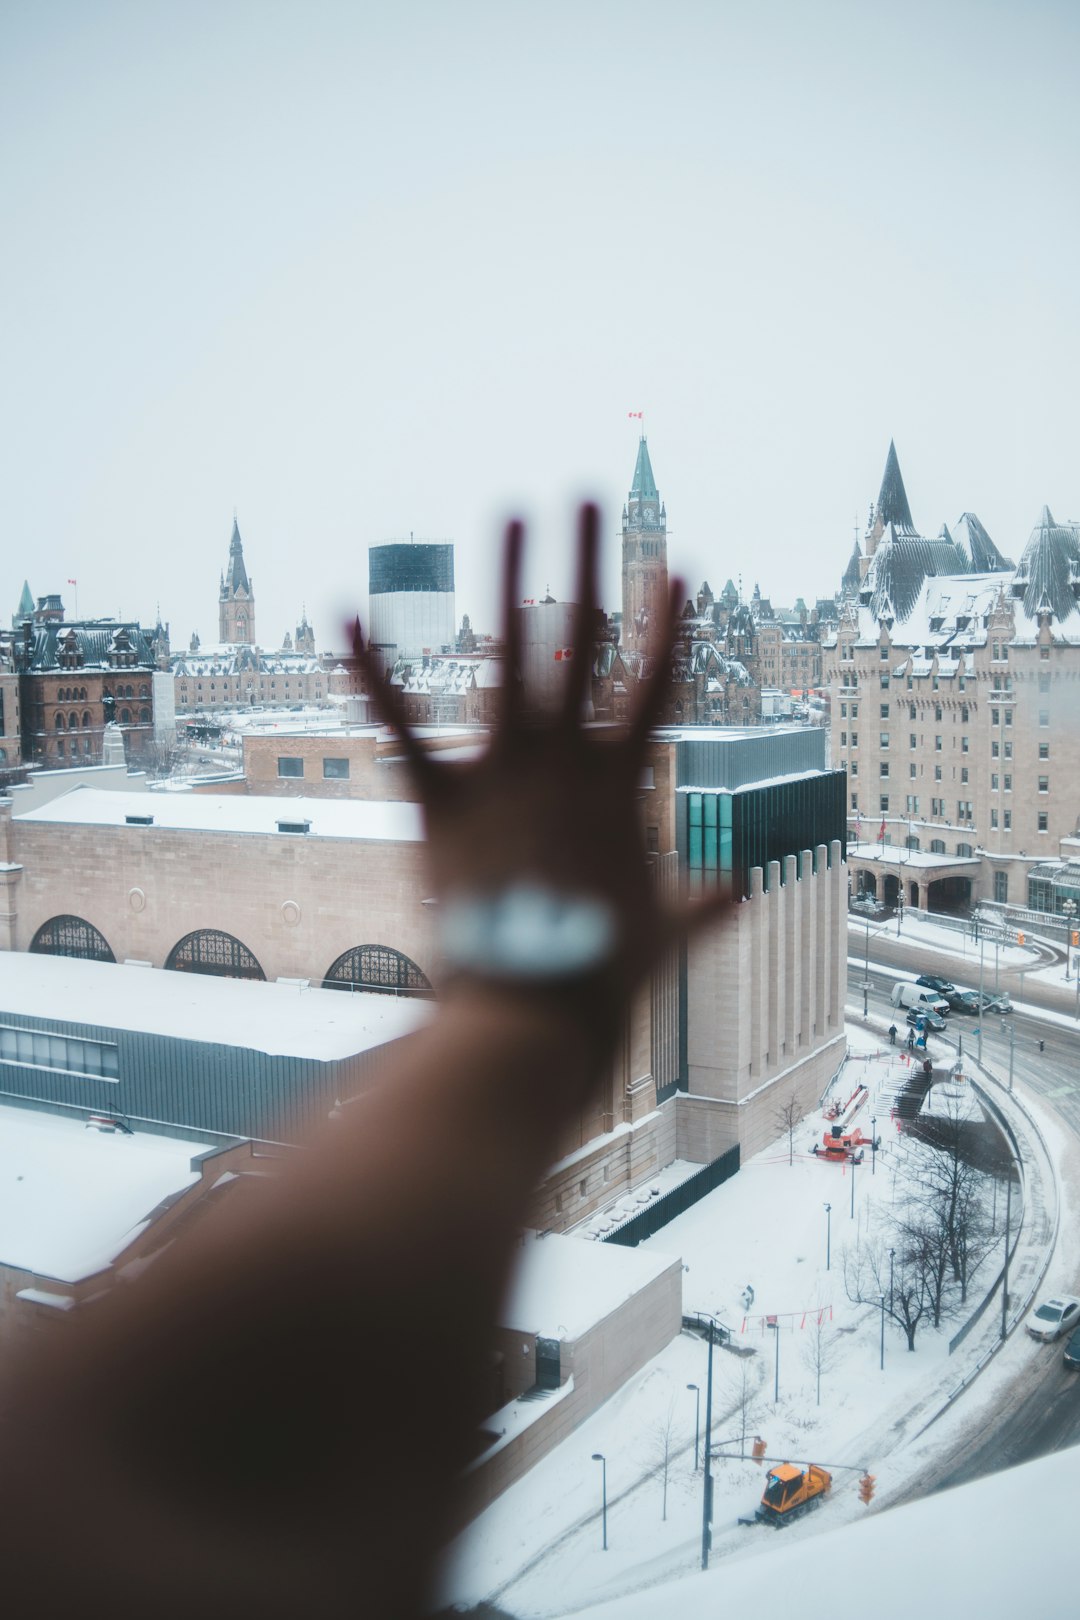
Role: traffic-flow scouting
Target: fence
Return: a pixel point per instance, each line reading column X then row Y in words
column 659, row 1211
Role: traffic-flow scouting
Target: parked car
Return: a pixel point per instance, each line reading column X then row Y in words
column 867, row 905
column 964, row 1001
column 1072, row 1349
column 1053, row 1317
column 933, row 981
column 997, row 1004
column 931, row 1021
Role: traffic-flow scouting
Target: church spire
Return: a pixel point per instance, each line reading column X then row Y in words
column 236, row 610
column 644, row 486
column 892, row 502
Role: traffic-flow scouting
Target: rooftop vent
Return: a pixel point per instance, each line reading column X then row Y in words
column 294, row 826
column 139, row 821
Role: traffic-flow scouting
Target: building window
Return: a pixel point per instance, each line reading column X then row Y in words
column 854, row 801
column 40, row 1049
column 995, row 717
column 854, row 739
column 937, row 846
column 963, row 773
column 995, row 750
column 1044, row 750
column 1009, row 717
column 377, row 968
column 911, row 711
column 843, row 711
column 71, row 936
column 1044, row 784
column 1008, row 821
column 994, row 781
column 1001, row 888
column 963, row 809
column 937, row 745
column 1008, row 784
column 843, row 739
column 913, row 770
column 912, row 742
column 289, row 765
column 883, row 739
column 883, row 768
column 1044, row 652
column 1044, row 680
column 883, row 653
column 1044, row 821
column 212, row 952
column 937, row 773
column 1008, row 750
column 911, row 805
column 335, row 770
column 993, row 820
column 1044, row 717
column 937, row 712
column 963, row 745
column 884, row 683
column 853, row 768
column 883, row 803
column 963, row 714
column 884, row 711
column 854, row 711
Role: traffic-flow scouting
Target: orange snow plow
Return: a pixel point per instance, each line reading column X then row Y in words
column 791, row 1491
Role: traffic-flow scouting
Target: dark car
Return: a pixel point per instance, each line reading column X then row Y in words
column 963, row 1001
column 1072, row 1349
column 933, row 981
column 932, row 1022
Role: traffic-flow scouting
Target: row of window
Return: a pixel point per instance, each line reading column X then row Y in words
column 71, row 694
column 39, row 1049
column 334, row 770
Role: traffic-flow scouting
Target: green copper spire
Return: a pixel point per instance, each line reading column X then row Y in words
column 26, row 603
column 644, row 485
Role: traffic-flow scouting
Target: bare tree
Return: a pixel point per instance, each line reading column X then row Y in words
column 664, row 1449
column 788, row 1115
column 896, row 1274
column 820, row 1349
column 744, row 1392
column 952, row 1199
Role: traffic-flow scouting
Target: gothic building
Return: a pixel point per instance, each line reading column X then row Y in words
column 236, row 599
column 963, row 765
column 644, row 558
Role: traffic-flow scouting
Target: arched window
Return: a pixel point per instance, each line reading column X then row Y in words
column 60, row 746
column 73, row 722
column 125, row 717
column 59, row 722
column 144, row 690
column 86, row 719
column 144, row 714
column 61, row 694
column 208, row 950
column 966, row 850
column 937, row 846
column 378, row 968
column 71, row 936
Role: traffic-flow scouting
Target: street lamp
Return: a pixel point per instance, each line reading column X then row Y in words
column 774, row 1323
column 828, row 1236
column 853, row 1186
column 882, row 1363
column 697, row 1421
column 1068, row 911
column 706, row 1503
column 866, row 971
column 1005, row 1270
column 598, row 1456
column 873, row 1144
column 892, row 1253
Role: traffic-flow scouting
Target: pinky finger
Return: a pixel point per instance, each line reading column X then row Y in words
column 390, row 707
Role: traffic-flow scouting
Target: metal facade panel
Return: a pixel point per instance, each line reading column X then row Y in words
column 737, row 761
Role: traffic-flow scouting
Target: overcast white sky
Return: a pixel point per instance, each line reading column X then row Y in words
column 360, row 270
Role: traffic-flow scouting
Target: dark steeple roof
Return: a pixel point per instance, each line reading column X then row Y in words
column 849, row 585
column 899, row 566
column 892, row 502
column 985, row 556
column 1048, row 577
column 236, row 574
column 644, row 485
column 25, row 609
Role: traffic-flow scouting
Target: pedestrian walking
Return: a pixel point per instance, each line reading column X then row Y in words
column 892, row 1034
column 911, row 1040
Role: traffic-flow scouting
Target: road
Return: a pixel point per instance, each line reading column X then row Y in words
column 1042, row 1413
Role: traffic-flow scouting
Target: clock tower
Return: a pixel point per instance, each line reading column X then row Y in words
column 236, row 598
column 644, row 558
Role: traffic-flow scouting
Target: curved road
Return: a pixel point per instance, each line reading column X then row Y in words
column 1042, row 1412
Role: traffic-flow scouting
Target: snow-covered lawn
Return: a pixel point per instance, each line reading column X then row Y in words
column 537, row 1550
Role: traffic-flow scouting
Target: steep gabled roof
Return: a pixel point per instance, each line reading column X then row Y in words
column 849, row 585
column 1048, row 576
column 985, row 556
column 892, row 501
column 25, row 609
column 236, row 574
column 644, row 485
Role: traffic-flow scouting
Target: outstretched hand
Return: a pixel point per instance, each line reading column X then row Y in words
column 552, row 807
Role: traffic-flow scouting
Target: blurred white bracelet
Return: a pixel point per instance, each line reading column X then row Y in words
column 526, row 932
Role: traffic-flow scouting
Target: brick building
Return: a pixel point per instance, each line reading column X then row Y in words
column 76, row 679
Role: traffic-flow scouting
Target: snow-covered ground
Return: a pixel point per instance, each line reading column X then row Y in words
column 537, row 1550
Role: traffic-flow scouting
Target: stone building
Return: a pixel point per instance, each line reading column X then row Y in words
column 78, row 678
column 953, row 681
column 644, row 558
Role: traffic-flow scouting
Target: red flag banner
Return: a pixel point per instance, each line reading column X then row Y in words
column 73, row 582
column 881, row 834
column 639, row 414
column 563, row 654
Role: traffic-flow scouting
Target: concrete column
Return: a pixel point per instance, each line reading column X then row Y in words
column 775, row 976
column 807, row 949
column 792, row 958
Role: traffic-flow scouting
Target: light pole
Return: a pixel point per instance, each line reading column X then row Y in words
column 828, row 1236
column 706, row 1502
column 882, row 1363
column 1068, row 911
column 892, row 1253
column 982, row 944
column 774, row 1323
column 697, row 1421
column 866, row 971
column 873, row 1144
column 1005, row 1272
column 598, row 1456
column 853, row 1186
column 1009, row 1029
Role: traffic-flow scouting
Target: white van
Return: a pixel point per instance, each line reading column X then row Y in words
column 917, row 995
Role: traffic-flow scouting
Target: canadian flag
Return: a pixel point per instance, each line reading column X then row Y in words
column 563, row 654
column 881, row 834
column 639, row 414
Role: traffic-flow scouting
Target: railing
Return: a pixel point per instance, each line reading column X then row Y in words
column 656, row 1214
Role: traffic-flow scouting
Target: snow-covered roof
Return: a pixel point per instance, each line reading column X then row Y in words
column 72, row 1198
column 279, row 1019
column 366, row 820
column 562, row 1287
